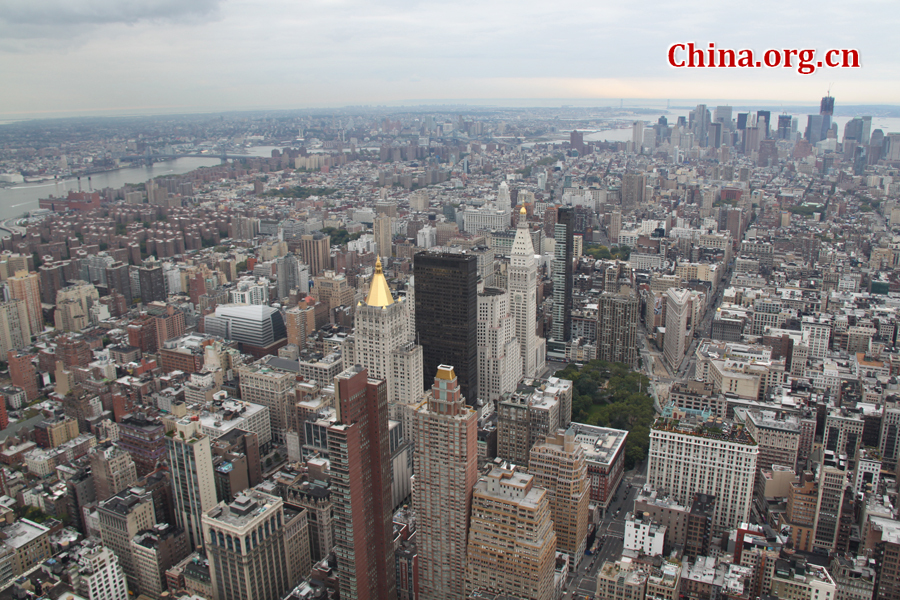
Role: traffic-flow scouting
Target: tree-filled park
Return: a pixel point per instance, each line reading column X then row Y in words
column 613, row 395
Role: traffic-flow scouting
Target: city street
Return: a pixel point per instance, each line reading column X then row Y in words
column 610, row 537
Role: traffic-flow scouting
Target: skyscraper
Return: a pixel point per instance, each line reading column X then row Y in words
column 688, row 457
column 826, row 110
column 15, row 333
column 512, row 545
column 315, row 248
column 113, row 470
column 193, row 480
column 499, row 357
column 383, row 230
column 118, row 278
column 784, row 127
column 381, row 342
column 558, row 465
column 26, row 286
column 359, row 449
column 523, row 299
column 632, row 190
column 446, row 471
column 677, row 312
column 446, row 289
column 258, row 547
column 153, row 287
column 121, row 518
column 292, row 275
column 617, row 318
column 637, row 136
column 562, row 279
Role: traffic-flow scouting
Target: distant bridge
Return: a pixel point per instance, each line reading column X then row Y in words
column 152, row 157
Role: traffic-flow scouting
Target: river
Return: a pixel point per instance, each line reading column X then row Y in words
column 15, row 201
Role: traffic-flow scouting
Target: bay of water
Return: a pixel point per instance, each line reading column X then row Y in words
column 19, row 199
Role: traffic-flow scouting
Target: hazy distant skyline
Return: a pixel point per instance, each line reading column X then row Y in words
column 161, row 56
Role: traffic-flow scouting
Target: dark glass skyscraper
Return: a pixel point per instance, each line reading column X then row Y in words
column 447, row 316
column 562, row 279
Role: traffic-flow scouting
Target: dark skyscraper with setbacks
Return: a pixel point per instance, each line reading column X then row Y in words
column 446, row 287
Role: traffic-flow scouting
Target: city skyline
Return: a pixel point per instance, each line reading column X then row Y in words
column 163, row 57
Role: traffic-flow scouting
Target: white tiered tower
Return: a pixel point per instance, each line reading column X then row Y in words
column 523, row 296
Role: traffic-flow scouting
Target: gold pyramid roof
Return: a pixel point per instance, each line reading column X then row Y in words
column 379, row 292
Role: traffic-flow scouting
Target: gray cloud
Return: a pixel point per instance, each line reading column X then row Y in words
column 29, row 19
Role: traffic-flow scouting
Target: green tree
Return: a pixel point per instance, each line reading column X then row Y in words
column 613, row 395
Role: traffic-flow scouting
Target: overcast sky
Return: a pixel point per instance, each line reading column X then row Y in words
column 69, row 57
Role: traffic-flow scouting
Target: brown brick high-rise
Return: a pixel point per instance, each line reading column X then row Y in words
column 22, row 373
column 359, row 449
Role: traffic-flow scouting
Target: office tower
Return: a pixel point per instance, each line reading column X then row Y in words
column 617, row 318
column 299, row 322
column 292, row 275
column 315, row 249
column 715, row 135
column 723, row 116
column 334, row 290
column 359, row 451
column 15, row 333
column 632, row 190
column 826, row 110
column 193, row 482
column 499, row 356
column 815, row 124
column 383, row 230
column 236, row 462
column 752, row 137
column 446, row 470
column 446, row 289
column 26, row 287
column 154, row 552
column 272, row 388
column 102, row 577
column 523, row 297
column 615, row 226
column 382, row 345
column 259, row 330
column 121, row 518
column 512, row 545
column 113, row 470
column 559, row 466
column 23, row 373
column 637, row 136
column 257, row 547
column 678, row 301
column 784, row 127
column 504, row 199
column 688, row 456
column 562, row 279
column 699, row 124
column 763, row 120
column 143, row 439
column 831, row 486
